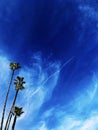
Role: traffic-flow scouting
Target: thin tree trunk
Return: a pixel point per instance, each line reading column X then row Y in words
column 3, row 113
column 8, row 124
column 9, row 116
column 14, row 122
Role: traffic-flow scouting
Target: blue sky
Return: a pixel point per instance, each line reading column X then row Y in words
column 56, row 43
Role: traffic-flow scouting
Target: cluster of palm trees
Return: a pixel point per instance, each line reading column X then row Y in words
column 14, row 110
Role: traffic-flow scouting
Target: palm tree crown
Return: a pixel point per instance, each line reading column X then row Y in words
column 14, row 66
column 19, row 81
column 17, row 111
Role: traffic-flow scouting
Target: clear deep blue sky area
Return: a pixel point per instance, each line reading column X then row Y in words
column 56, row 43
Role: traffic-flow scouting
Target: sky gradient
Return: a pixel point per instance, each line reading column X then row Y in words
column 56, row 43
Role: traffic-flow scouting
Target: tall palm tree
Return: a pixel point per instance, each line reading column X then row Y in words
column 16, row 111
column 13, row 66
column 19, row 82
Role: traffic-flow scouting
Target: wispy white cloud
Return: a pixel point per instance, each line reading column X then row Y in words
column 40, row 82
column 38, row 88
column 71, row 122
column 89, row 11
column 4, row 77
column 4, row 69
column 81, row 116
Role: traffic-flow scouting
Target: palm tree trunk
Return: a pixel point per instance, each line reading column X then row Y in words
column 14, row 122
column 10, row 114
column 3, row 113
column 8, row 124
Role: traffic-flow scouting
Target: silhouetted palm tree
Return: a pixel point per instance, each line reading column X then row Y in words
column 16, row 111
column 14, row 66
column 19, row 82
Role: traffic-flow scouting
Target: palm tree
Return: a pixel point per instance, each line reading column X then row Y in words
column 13, row 66
column 19, row 82
column 16, row 111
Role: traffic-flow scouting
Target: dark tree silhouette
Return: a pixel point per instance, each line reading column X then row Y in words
column 19, row 82
column 16, row 111
column 14, row 66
